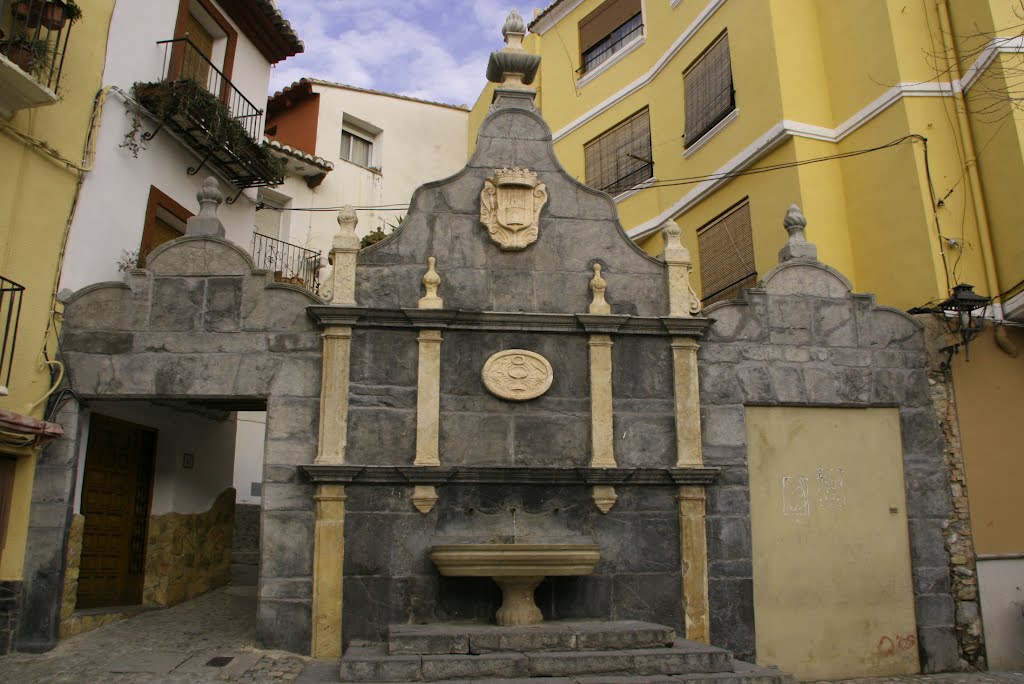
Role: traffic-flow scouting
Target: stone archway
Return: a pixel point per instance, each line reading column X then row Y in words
column 200, row 326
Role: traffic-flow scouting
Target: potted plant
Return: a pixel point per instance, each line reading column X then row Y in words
column 52, row 13
column 26, row 52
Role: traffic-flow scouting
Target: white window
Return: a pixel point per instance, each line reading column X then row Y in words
column 356, row 149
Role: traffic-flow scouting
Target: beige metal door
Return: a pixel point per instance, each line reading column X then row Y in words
column 833, row 596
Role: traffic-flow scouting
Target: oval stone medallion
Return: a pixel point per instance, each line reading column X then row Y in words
column 517, row 374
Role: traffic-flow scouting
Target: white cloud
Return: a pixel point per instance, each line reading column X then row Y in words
column 432, row 49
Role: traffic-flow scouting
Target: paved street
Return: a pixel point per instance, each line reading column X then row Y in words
column 172, row 646
column 177, row 645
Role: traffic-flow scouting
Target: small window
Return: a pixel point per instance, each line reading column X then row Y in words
column 726, row 247
column 707, row 90
column 607, row 30
column 620, row 159
column 165, row 221
column 356, row 149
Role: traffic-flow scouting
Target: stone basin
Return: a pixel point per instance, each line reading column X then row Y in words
column 517, row 569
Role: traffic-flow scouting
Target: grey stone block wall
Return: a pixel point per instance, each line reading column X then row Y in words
column 389, row 578
column 803, row 340
column 578, row 227
column 202, row 324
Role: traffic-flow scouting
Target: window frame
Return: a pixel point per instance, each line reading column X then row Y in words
column 614, row 188
column 691, row 139
column 355, row 133
column 614, row 45
column 616, row 42
column 181, row 21
column 158, row 200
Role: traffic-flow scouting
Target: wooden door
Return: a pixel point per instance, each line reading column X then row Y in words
column 193, row 65
column 115, row 502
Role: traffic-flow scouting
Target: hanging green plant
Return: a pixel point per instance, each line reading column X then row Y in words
column 212, row 123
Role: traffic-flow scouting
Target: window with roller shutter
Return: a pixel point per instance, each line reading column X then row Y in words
column 726, row 247
column 608, row 29
column 620, row 158
column 708, row 90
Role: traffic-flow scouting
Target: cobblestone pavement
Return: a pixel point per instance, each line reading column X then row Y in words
column 169, row 646
column 174, row 646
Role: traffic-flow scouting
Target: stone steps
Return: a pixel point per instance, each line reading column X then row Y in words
column 581, row 635
column 573, row 652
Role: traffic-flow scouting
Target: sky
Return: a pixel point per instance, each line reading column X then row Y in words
column 430, row 49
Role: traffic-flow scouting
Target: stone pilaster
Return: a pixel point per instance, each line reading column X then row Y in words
column 334, row 394
column 601, row 432
column 694, row 546
column 687, row 389
column 428, row 399
column 343, row 256
column 328, row 570
column 682, row 300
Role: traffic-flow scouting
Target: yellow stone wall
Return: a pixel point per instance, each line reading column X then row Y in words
column 189, row 554
column 36, row 200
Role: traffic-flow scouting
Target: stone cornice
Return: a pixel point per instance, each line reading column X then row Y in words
column 475, row 475
column 501, row 321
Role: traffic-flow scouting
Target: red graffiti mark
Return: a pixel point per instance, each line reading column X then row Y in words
column 889, row 645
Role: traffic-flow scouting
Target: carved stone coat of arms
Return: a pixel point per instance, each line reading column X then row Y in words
column 510, row 205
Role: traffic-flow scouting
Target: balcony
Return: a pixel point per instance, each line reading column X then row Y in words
column 204, row 110
column 289, row 263
column 33, row 40
column 10, row 312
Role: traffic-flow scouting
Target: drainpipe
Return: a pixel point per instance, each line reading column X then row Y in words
column 952, row 58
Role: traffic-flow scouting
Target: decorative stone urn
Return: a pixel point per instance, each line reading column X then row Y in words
column 517, row 569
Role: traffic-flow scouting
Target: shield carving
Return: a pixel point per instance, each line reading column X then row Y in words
column 510, row 205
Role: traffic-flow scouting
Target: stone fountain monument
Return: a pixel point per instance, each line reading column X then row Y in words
column 510, row 399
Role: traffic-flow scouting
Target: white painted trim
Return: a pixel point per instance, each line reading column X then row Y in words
column 673, row 3
column 764, row 144
column 711, row 133
column 1013, row 308
column 557, row 14
column 635, row 189
column 996, row 46
column 614, row 59
column 647, row 77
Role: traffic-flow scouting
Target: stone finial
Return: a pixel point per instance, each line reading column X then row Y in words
column 797, row 247
column 206, row 221
column 682, row 298
column 513, row 67
column 431, row 281
column 597, row 286
column 604, row 497
column 341, row 288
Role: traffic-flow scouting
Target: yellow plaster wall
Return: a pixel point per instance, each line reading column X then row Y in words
column 36, row 198
column 833, row 596
column 989, row 393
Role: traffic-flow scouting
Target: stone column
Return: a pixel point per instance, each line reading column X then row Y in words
column 687, row 391
column 694, row 547
column 601, row 415
column 328, row 570
column 428, row 399
column 334, row 395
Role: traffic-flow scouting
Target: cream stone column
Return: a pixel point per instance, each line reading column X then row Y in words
column 329, row 533
column 687, row 391
column 694, row 547
column 428, row 392
column 602, row 436
column 328, row 570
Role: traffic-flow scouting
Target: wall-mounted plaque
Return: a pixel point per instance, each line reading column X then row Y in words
column 517, row 374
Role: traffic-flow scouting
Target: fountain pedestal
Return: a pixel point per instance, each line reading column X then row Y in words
column 517, row 569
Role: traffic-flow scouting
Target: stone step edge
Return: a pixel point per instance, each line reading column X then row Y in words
column 372, row 664
column 755, row 676
column 480, row 639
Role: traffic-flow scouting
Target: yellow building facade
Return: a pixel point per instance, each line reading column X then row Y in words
column 48, row 114
column 892, row 125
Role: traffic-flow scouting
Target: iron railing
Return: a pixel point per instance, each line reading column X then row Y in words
column 10, row 310
column 615, row 41
column 289, row 263
column 34, row 36
column 183, row 60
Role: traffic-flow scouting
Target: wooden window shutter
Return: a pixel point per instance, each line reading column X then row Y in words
column 727, row 255
column 621, row 158
column 708, row 91
column 605, row 19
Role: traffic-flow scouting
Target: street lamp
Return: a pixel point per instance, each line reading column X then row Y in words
column 958, row 310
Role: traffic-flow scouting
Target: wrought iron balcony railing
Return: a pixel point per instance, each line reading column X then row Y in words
column 207, row 112
column 34, row 36
column 10, row 311
column 289, row 263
